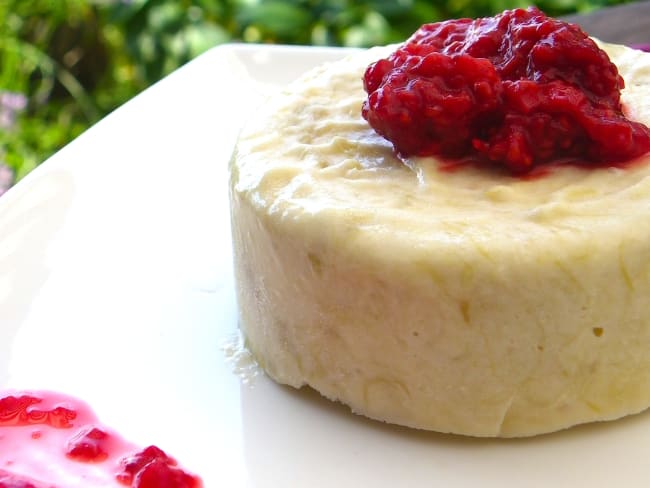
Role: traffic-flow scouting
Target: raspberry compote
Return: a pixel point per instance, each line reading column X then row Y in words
column 518, row 89
column 49, row 440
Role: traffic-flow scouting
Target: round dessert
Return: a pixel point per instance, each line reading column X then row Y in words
column 449, row 295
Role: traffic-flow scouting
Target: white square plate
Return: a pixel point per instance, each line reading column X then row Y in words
column 116, row 287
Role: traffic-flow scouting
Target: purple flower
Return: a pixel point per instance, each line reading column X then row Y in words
column 11, row 103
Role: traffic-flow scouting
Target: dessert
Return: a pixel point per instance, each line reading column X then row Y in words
column 468, row 295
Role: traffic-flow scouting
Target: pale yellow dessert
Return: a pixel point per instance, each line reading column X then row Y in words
column 457, row 301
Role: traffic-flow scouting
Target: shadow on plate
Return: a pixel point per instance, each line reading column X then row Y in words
column 299, row 438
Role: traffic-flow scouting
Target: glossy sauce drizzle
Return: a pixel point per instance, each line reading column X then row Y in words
column 50, row 440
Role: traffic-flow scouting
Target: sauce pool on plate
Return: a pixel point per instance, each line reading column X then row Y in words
column 51, row 440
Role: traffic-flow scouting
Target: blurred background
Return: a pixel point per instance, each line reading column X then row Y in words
column 64, row 64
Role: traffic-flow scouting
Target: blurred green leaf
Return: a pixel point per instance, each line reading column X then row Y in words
column 201, row 37
column 166, row 17
column 373, row 29
column 279, row 20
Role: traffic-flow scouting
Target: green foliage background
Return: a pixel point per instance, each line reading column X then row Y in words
column 76, row 60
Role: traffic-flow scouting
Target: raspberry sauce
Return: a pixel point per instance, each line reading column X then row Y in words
column 49, row 440
column 519, row 89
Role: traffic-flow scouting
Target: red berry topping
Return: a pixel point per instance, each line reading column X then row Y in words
column 518, row 89
column 152, row 468
column 37, row 435
column 88, row 445
column 131, row 465
column 20, row 410
column 158, row 474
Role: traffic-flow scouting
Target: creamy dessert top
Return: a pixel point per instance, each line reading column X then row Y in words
column 310, row 152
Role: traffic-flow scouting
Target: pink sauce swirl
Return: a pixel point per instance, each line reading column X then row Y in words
column 50, row 440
